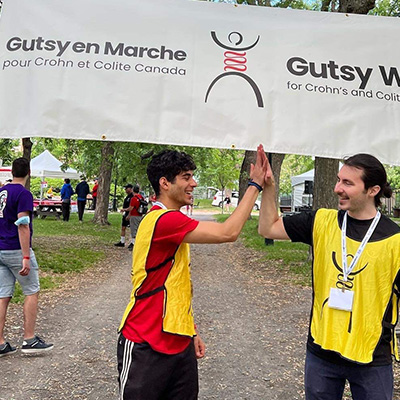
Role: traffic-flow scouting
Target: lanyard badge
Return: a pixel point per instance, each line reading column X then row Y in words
column 343, row 299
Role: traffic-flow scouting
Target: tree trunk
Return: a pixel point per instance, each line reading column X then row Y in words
column 27, row 151
column 249, row 158
column 325, row 178
column 356, row 6
column 276, row 165
column 103, row 193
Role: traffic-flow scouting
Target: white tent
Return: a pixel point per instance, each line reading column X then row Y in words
column 46, row 165
column 299, row 199
column 5, row 174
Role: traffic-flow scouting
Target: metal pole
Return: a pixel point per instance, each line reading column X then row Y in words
column 269, row 242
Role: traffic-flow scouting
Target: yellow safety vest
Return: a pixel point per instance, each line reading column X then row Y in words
column 356, row 334
column 178, row 312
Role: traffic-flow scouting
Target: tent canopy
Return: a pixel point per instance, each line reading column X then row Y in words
column 46, row 165
column 306, row 176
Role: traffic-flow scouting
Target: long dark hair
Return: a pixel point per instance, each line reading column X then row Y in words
column 373, row 173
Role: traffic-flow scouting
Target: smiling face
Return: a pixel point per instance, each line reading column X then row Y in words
column 181, row 190
column 353, row 197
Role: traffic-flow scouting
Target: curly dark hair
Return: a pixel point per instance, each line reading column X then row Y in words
column 168, row 164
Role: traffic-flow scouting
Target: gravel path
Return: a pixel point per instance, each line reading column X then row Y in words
column 254, row 323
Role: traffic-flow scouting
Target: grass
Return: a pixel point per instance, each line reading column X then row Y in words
column 62, row 247
column 284, row 254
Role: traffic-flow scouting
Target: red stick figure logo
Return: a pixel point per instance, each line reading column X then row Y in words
column 235, row 62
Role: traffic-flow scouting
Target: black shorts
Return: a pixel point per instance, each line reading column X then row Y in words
column 145, row 374
column 125, row 222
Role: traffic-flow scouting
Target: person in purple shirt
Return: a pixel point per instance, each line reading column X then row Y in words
column 17, row 260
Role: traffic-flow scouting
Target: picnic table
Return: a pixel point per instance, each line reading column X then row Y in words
column 48, row 208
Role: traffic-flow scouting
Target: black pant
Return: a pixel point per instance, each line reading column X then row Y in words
column 94, row 203
column 81, row 209
column 145, row 374
column 66, row 209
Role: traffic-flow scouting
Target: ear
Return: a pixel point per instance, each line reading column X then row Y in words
column 374, row 190
column 164, row 184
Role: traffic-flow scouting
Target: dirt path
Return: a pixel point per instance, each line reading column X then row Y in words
column 253, row 322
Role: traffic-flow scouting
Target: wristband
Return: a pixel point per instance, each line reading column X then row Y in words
column 26, row 258
column 255, row 184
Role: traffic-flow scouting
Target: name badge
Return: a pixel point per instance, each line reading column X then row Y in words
column 341, row 300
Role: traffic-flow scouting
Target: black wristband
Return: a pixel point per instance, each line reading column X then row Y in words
column 252, row 183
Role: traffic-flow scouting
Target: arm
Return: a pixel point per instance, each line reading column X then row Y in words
column 133, row 204
column 199, row 346
column 24, row 234
column 270, row 225
column 228, row 231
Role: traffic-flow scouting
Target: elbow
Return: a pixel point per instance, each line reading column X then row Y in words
column 263, row 231
column 232, row 236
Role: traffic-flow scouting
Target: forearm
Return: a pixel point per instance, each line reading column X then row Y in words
column 268, row 212
column 232, row 227
column 24, row 239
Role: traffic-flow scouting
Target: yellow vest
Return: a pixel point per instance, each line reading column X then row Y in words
column 178, row 312
column 356, row 334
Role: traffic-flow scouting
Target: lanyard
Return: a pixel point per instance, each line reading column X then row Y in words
column 159, row 204
column 347, row 270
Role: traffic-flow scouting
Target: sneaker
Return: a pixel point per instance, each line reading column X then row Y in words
column 119, row 244
column 37, row 346
column 130, row 247
column 7, row 350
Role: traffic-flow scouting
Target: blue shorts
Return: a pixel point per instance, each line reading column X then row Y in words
column 10, row 265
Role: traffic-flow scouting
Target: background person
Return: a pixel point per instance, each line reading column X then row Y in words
column 356, row 253
column 134, row 216
column 125, row 214
column 158, row 344
column 50, row 193
column 66, row 193
column 227, row 202
column 17, row 259
column 82, row 190
column 94, row 193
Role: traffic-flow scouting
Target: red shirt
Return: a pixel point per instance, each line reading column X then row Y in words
column 144, row 323
column 94, row 190
column 135, row 203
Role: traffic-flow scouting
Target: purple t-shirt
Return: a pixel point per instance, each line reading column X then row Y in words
column 14, row 198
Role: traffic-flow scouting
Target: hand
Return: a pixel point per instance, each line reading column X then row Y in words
column 259, row 170
column 199, row 347
column 26, row 267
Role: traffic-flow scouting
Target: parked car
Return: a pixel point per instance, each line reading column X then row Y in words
column 217, row 200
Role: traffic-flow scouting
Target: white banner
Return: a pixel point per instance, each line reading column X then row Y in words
column 201, row 74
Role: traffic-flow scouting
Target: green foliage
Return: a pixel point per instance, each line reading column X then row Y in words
column 222, row 170
column 9, row 151
column 393, row 174
column 293, row 165
column 386, row 8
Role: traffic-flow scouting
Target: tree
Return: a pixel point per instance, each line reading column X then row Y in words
column 326, row 169
column 103, row 193
column 27, row 150
column 249, row 158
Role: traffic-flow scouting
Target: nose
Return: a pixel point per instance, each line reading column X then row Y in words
column 193, row 183
column 338, row 188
